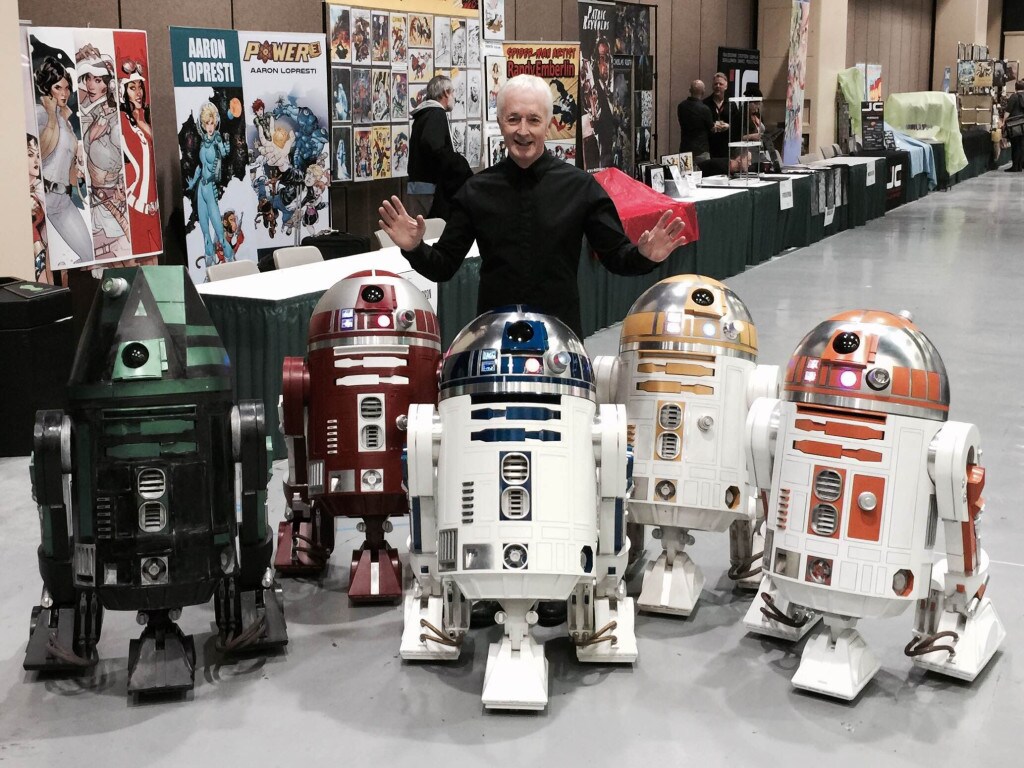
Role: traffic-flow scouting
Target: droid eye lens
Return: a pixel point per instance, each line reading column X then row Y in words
column 135, row 355
column 703, row 297
column 372, row 294
column 878, row 378
column 846, row 343
column 520, row 331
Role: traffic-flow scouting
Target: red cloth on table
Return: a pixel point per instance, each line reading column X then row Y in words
column 640, row 207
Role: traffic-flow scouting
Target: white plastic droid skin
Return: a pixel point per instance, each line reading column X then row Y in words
column 518, row 482
column 863, row 465
column 687, row 373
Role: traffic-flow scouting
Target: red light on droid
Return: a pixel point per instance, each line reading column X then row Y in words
column 533, row 365
column 384, row 321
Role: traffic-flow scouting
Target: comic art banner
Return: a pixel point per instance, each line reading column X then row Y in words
column 252, row 116
column 89, row 137
column 795, row 81
column 463, row 8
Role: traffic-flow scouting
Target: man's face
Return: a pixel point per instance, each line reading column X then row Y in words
column 448, row 100
column 603, row 60
column 720, row 85
column 524, row 124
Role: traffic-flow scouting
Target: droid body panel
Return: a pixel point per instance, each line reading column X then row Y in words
column 686, row 372
column 526, row 503
column 863, row 466
column 374, row 349
column 148, row 449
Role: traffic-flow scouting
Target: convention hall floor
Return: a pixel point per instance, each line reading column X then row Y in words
column 703, row 690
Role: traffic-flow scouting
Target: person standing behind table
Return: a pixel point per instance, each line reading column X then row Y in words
column 695, row 123
column 1015, row 108
column 436, row 170
column 528, row 215
column 719, row 105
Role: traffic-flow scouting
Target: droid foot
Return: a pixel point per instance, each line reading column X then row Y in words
column 836, row 662
column 251, row 620
column 672, row 589
column 298, row 551
column 516, row 679
column 423, row 638
column 613, row 640
column 51, row 642
column 375, row 576
column 162, row 659
column 773, row 615
column 964, row 646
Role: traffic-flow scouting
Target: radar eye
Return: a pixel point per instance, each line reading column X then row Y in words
column 372, row 294
column 703, row 297
column 519, row 331
column 135, row 355
column 878, row 378
column 846, row 343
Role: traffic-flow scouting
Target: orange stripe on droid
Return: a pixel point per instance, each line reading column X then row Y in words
column 837, row 429
column 833, row 451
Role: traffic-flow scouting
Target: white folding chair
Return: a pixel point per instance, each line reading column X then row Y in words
column 297, row 255
column 827, row 152
column 231, row 269
column 383, row 239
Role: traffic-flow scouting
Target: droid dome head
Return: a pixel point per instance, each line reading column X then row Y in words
column 869, row 360
column 514, row 350
column 690, row 313
column 374, row 303
column 148, row 334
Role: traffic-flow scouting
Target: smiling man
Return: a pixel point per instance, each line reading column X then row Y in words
column 528, row 215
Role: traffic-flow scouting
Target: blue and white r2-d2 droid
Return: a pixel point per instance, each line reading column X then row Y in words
column 518, row 482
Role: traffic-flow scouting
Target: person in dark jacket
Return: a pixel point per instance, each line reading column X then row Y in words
column 695, row 123
column 436, row 170
column 1015, row 108
column 720, row 106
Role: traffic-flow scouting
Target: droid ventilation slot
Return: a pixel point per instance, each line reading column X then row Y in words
column 824, row 519
column 152, row 517
column 668, row 445
column 671, row 416
column 447, row 546
column 373, row 437
column 515, row 468
column 468, row 493
column 104, row 517
column 828, row 485
column 152, row 483
column 332, row 437
column 515, row 503
column 371, row 408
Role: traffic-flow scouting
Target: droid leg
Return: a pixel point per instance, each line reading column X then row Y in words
column 836, row 661
column 304, row 543
column 601, row 626
column 163, row 658
column 673, row 582
column 773, row 615
column 64, row 639
column 517, row 671
column 376, row 572
column 746, row 548
column 436, row 621
column 957, row 629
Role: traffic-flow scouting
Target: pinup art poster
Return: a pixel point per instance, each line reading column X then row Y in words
column 253, row 140
column 89, row 142
column 558, row 63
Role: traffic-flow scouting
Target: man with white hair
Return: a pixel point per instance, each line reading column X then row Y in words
column 528, row 215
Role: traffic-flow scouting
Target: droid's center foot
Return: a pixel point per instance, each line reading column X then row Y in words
column 162, row 659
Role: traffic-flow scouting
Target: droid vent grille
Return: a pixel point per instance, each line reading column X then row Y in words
column 828, row 485
column 373, row 437
column 467, row 502
column 152, row 517
column 152, row 483
column 824, row 519
column 104, row 517
column 671, row 416
column 515, row 503
column 515, row 468
column 447, row 544
column 515, row 556
column 668, row 445
column 371, row 408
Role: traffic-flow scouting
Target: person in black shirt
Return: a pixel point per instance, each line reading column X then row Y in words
column 718, row 103
column 436, row 170
column 528, row 215
column 695, row 123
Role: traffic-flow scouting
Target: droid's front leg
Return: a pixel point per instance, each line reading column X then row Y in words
column 772, row 614
column 517, row 671
column 672, row 582
column 836, row 661
column 162, row 659
column 375, row 575
column 249, row 602
column 746, row 544
column 65, row 626
column 957, row 629
column 305, row 538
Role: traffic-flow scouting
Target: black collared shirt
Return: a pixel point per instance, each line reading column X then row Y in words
column 695, row 123
column 529, row 226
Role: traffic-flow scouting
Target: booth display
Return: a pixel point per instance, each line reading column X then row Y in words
column 518, row 482
column 745, row 131
column 150, row 443
column 852, row 453
column 374, row 349
column 687, row 373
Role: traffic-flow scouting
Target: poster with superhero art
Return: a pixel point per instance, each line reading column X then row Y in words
column 256, row 155
column 90, row 148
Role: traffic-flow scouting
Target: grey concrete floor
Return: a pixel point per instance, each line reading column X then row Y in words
column 702, row 690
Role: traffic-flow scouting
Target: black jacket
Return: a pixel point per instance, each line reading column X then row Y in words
column 433, row 159
column 695, row 122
